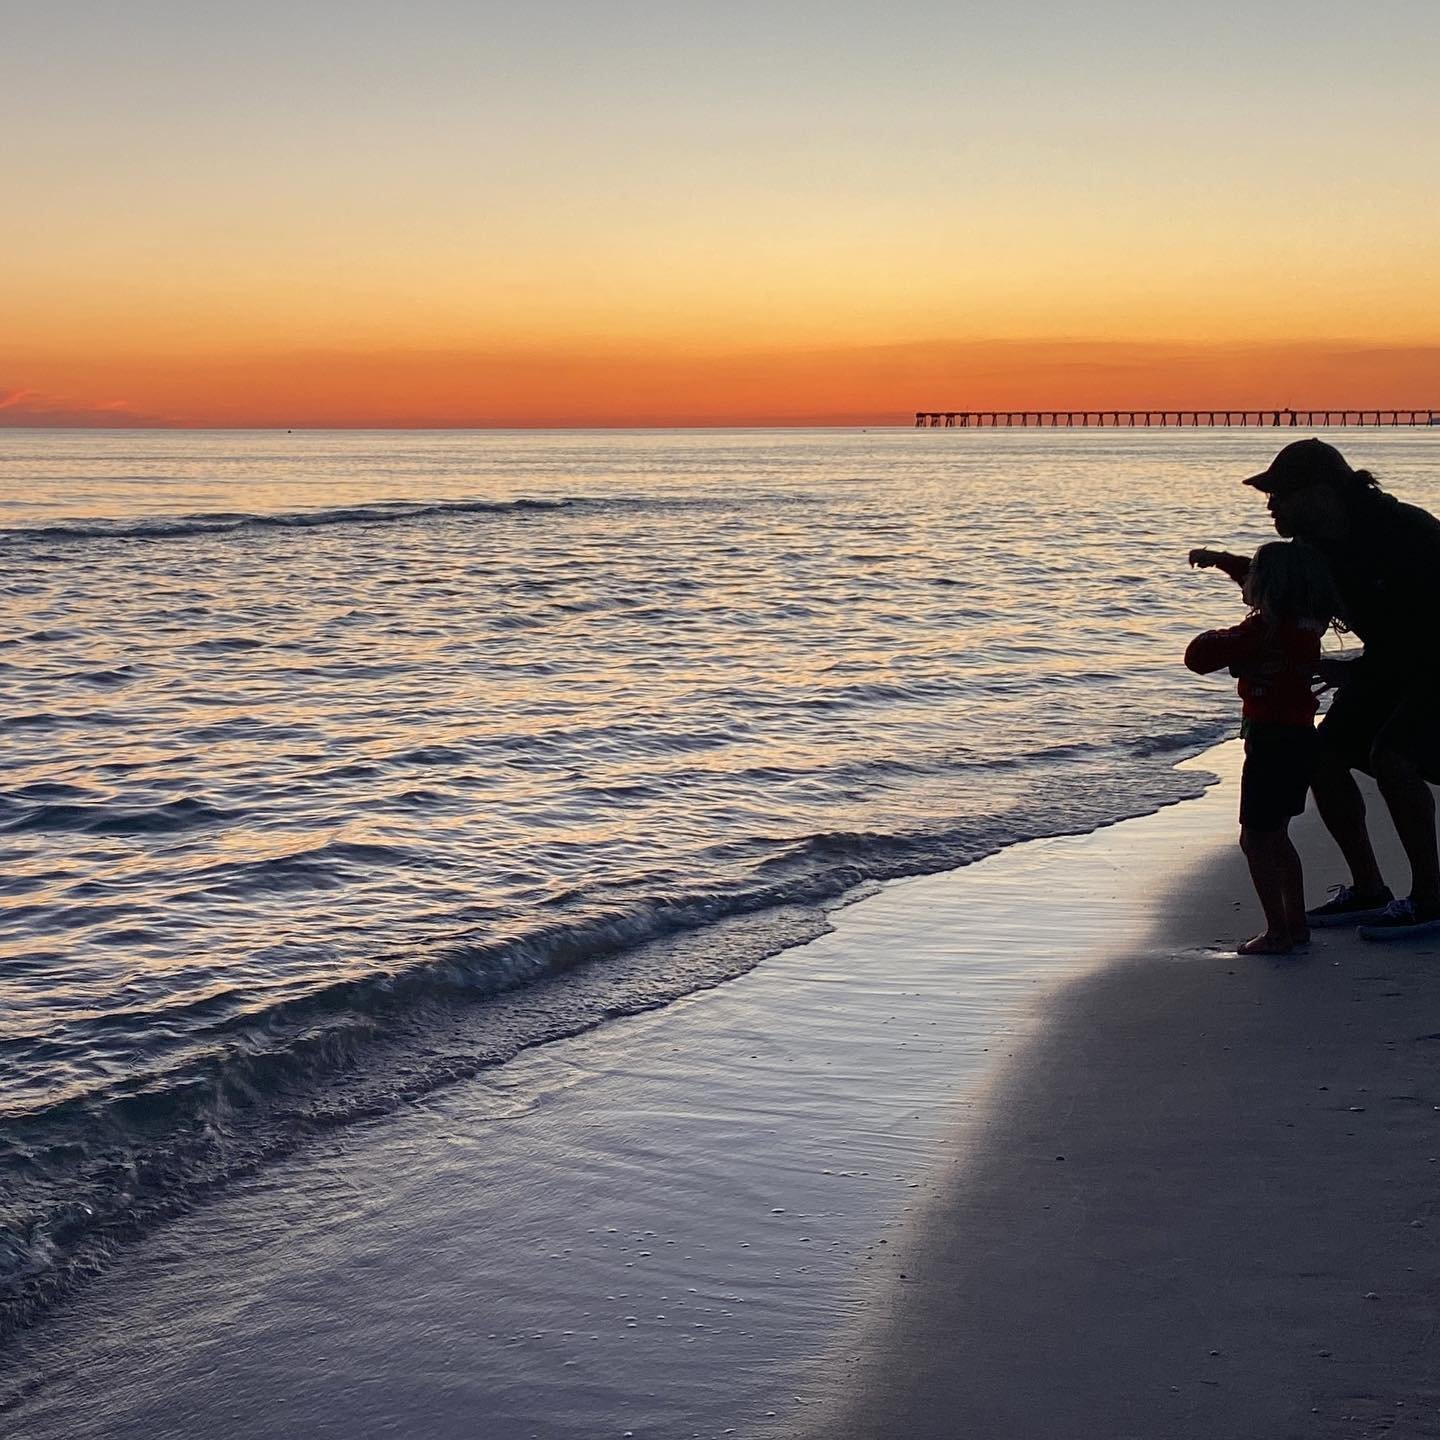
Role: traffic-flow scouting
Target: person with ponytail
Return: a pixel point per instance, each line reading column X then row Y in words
column 1384, row 717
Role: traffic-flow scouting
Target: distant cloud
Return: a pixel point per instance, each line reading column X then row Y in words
column 35, row 409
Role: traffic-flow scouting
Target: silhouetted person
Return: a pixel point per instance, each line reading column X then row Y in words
column 1385, row 715
column 1273, row 652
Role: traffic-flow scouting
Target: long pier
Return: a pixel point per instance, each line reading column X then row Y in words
column 1130, row 419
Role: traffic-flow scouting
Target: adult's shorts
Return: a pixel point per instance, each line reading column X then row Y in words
column 1378, row 711
column 1279, row 761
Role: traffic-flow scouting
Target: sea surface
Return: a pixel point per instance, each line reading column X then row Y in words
column 338, row 767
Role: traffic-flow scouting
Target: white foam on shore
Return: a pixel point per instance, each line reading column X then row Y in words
column 658, row 1228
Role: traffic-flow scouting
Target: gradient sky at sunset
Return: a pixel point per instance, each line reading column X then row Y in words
column 564, row 213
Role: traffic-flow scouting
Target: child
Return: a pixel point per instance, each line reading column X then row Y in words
column 1273, row 652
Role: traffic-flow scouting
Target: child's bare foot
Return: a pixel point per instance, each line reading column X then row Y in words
column 1267, row 944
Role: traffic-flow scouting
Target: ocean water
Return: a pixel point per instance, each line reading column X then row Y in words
column 341, row 766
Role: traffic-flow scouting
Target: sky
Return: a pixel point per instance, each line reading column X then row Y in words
column 566, row 213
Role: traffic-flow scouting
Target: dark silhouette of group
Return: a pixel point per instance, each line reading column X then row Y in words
column 1374, row 561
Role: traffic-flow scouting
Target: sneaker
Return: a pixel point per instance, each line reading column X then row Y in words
column 1403, row 918
column 1345, row 907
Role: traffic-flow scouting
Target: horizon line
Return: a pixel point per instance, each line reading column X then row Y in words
column 905, row 423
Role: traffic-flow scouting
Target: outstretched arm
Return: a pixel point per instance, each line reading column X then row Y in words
column 1232, row 649
column 1237, row 567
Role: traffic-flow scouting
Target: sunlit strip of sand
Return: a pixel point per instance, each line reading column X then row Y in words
column 682, row 1223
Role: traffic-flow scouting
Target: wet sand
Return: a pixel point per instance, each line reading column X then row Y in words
column 1205, row 1203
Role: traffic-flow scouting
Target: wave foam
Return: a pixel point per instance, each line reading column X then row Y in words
column 226, row 522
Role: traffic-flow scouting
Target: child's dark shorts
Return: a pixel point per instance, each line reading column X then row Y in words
column 1279, row 761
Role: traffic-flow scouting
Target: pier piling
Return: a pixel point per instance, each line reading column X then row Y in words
column 1133, row 419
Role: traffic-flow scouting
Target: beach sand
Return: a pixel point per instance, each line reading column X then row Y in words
column 831, row 1189
column 1205, row 1202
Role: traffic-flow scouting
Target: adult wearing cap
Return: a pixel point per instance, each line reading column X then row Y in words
column 1384, row 718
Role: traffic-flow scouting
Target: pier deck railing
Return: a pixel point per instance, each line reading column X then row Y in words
column 1069, row 419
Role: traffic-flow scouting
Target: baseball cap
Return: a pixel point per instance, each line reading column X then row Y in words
column 1300, row 463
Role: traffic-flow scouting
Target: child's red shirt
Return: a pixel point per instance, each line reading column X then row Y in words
column 1284, row 697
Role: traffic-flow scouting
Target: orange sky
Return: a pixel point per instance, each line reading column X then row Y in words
column 879, row 384
column 690, row 214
